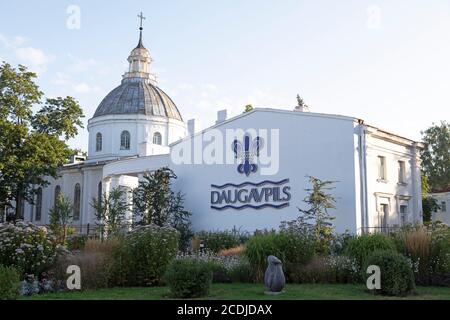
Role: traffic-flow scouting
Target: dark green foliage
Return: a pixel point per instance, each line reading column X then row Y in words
column 155, row 203
column 76, row 242
column 361, row 247
column 429, row 205
column 110, row 211
column 31, row 144
column 9, row 283
column 436, row 155
column 397, row 278
column 143, row 256
column 316, row 216
column 61, row 218
column 188, row 278
column 241, row 273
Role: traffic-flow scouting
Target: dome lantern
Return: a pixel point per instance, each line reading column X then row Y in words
column 139, row 60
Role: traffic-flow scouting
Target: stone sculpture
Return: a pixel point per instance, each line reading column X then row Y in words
column 274, row 279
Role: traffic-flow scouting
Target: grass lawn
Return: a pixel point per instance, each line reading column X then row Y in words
column 241, row 291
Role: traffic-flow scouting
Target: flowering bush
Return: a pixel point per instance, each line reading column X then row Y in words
column 143, row 256
column 27, row 247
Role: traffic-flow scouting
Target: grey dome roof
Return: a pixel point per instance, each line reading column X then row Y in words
column 138, row 96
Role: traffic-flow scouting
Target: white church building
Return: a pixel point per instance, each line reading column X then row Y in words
column 248, row 172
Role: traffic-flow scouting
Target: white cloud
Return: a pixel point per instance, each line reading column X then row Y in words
column 35, row 59
column 13, row 43
column 33, row 56
column 83, row 87
column 61, row 79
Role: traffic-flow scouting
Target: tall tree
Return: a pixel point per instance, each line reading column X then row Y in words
column 32, row 145
column 110, row 211
column 156, row 203
column 429, row 204
column 61, row 217
column 436, row 156
column 316, row 215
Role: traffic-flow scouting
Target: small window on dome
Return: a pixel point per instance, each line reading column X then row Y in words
column 98, row 142
column 157, row 139
column 125, row 140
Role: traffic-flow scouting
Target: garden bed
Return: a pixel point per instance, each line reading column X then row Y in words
column 240, row 291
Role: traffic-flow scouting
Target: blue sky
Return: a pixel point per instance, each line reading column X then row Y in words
column 387, row 62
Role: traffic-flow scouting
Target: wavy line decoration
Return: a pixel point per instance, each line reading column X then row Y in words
column 259, row 184
column 266, row 205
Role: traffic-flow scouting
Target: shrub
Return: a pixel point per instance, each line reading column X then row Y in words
column 221, row 266
column 95, row 261
column 188, row 278
column 216, row 241
column 320, row 269
column 29, row 248
column 76, row 242
column 361, row 247
column 241, row 272
column 143, row 256
column 397, row 278
column 9, row 283
column 293, row 249
column 428, row 248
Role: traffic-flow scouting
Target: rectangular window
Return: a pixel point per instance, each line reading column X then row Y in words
column 444, row 206
column 381, row 168
column 401, row 172
column 403, row 213
column 384, row 216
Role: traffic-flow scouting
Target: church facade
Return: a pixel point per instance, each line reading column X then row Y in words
column 248, row 172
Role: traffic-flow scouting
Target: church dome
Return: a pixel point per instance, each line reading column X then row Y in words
column 138, row 96
column 138, row 93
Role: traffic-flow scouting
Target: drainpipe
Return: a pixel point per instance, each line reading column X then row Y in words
column 363, row 176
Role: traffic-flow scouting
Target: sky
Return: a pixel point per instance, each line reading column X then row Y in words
column 387, row 62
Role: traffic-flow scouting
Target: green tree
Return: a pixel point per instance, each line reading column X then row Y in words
column 429, row 204
column 61, row 218
column 32, row 145
column 248, row 108
column 111, row 210
column 436, row 156
column 156, row 203
column 316, row 217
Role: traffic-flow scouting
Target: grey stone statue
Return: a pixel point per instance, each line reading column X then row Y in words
column 274, row 277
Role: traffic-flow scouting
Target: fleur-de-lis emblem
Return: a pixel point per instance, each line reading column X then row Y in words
column 246, row 151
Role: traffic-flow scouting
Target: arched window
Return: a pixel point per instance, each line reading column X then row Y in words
column 98, row 142
column 125, row 140
column 157, row 139
column 76, row 202
column 99, row 193
column 38, row 205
